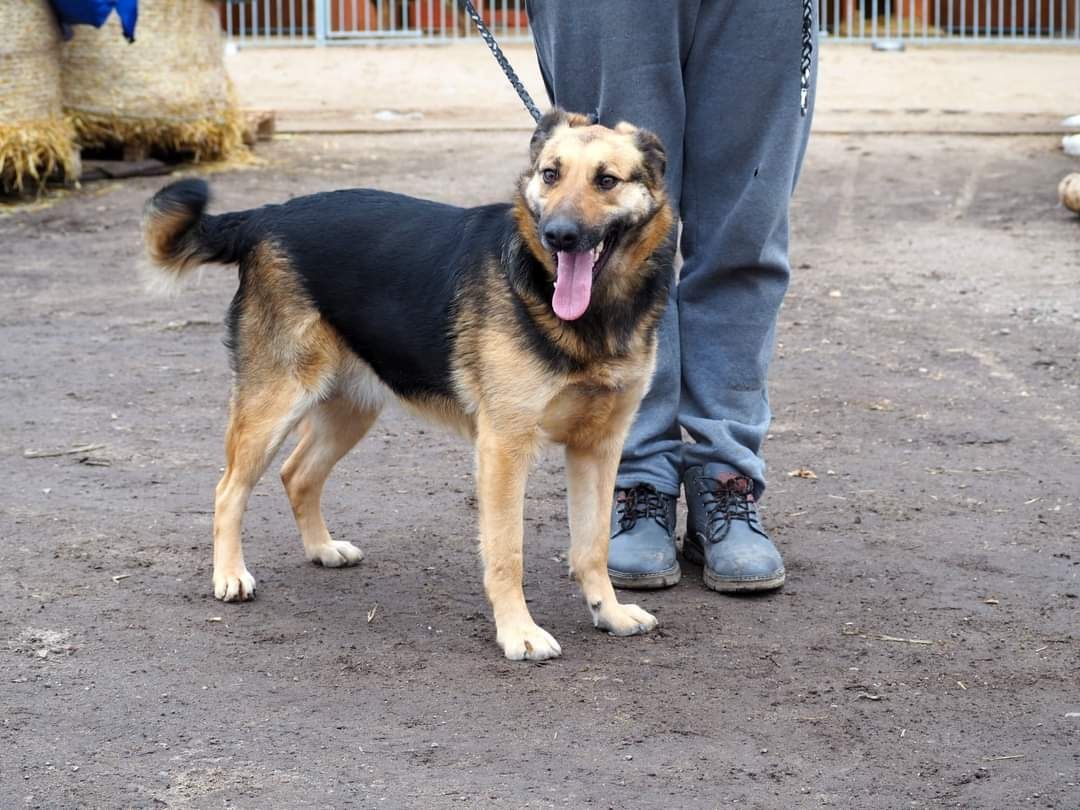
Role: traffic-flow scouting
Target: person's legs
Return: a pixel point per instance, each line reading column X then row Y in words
column 623, row 59
column 720, row 82
column 744, row 142
column 745, row 138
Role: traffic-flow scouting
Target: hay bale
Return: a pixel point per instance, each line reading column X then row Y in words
column 1069, row 192
column 167, row 90
column 35, row 140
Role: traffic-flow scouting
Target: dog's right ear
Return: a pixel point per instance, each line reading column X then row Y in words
column 544, row 127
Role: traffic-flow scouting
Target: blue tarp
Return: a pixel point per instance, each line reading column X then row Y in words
column 95, row 13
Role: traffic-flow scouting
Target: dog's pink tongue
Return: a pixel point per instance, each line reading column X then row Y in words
column 573, row 285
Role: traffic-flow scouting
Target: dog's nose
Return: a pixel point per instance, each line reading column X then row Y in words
column 562, row 234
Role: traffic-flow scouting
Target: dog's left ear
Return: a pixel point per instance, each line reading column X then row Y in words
column 653, row 154
column 652, row 151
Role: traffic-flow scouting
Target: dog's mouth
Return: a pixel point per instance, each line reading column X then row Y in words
column 575, row 274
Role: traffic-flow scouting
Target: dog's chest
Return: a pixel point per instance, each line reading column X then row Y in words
column 587, row 404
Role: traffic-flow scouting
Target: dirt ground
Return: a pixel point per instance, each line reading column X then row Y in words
column 959, row 88
column 925, row 652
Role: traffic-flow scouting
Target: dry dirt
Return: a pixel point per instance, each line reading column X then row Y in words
column 959, row 88
column 925, row 652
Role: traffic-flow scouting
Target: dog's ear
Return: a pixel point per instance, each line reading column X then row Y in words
column 652, row 154
column 553, row 118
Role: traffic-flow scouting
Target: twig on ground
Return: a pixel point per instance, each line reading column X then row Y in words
column 883, row 637
column 902, row 640
column 176, row 326
column 82, row 448
column 982, row 470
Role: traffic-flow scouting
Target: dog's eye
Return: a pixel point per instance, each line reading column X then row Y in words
column 549, row 176
column 607, row 182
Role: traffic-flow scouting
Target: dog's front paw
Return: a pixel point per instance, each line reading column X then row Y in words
column 528, row 642
column 622, row 620
column 335, row 554
column 236, row 585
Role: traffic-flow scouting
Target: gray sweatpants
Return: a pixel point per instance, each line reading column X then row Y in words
column 719, row 82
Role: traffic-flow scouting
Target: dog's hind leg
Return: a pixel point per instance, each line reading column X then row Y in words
column 260, row 417
column 591, row 466
column 327, row 433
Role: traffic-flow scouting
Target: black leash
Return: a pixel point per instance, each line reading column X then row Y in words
column 807, row 54
column 500, row 57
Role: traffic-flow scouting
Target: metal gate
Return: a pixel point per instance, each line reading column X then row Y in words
column 359, row 22
column 367, row 22
column 951, row 21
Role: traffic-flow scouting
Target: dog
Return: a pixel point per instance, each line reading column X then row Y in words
column 516, row 324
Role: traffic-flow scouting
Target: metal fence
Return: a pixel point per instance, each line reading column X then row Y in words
column 951, row 21
column 319, row 22
column 359, row 22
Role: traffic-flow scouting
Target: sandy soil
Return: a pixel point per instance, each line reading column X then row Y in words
column 924, row 653
column 929, row 89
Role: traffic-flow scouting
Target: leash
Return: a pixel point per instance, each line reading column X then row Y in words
column 806, row 55
column 500, row 57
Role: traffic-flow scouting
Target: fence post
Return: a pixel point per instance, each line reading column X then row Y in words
column 320, row 21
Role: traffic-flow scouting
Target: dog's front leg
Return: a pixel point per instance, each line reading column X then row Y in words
column 502, row 467
column 590, row 471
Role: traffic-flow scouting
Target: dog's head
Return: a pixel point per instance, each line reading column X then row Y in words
column 592, row 206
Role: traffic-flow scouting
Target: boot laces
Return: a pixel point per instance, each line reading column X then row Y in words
column 726, row 501
column 637, row 503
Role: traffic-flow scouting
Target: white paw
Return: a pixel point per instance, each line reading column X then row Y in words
column 622, row 620
column 528, row 642
column 235, row 586
column 335, row 554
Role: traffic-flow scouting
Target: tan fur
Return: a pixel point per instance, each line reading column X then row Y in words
column 161, row 228
column 577, row 151
column 295, row 372
column 329, row 431
column 443, row 412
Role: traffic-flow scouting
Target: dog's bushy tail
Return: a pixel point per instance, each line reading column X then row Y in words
column 180, row 236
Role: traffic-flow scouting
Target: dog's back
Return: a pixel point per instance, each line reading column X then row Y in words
column 383, row 269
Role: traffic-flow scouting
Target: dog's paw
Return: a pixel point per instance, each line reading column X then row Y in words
column 234, row 586
column 335, row 554
column 528, row 642
column 622, row 620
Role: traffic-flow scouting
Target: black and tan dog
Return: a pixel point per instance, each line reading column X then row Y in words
column 515, row 323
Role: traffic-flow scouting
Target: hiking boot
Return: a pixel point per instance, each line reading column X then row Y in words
column 642, row 552
column 724, row 534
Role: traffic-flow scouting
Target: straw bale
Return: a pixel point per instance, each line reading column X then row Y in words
column 35, row 140
column 167, row 90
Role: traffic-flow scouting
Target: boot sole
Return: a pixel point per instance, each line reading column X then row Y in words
column 715, row 582
column 646, row 582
